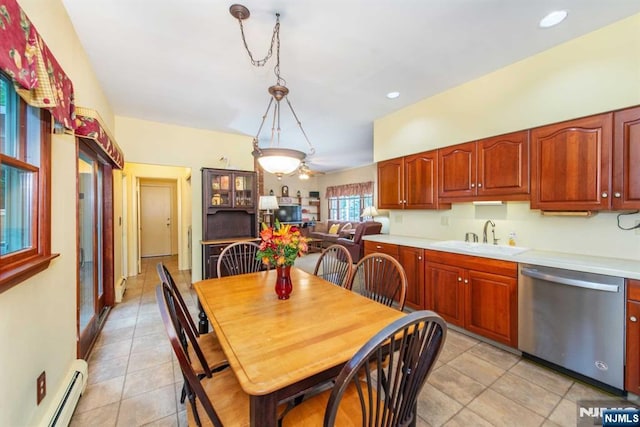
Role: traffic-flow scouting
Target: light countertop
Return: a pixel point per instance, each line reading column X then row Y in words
column 619, row 267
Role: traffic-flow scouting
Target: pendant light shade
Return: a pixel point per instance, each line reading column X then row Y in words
column 279, row 161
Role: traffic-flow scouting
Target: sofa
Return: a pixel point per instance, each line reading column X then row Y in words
column 355, row 246
column 323, row 231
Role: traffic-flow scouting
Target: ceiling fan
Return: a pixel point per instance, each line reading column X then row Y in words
column 304, row 172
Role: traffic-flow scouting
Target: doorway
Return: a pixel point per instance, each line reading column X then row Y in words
column 94, row 244
column 158, row 218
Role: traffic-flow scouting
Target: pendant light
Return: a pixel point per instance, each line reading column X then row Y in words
column 273, row 159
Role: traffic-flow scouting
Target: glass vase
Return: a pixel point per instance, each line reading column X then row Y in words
column 283, row 281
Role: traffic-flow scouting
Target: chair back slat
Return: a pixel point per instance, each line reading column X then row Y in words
column 389, row 372
column 335, row 265
column 239, row 258
column 381, row 278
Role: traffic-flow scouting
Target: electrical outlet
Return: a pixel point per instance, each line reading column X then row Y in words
column 41, row 387
column 638, row 225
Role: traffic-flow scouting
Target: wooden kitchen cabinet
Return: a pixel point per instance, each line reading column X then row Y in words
column 632, row 371
column 478, row 294
column 412, row 260
column 626, row 159
column 571, row 164
column 488, row 169
column 390, row 184
column 409, row 182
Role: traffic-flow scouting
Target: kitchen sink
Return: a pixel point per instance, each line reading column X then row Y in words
column 479, row 248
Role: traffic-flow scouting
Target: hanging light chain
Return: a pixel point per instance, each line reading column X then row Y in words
column 275, row 37
column 312, row 150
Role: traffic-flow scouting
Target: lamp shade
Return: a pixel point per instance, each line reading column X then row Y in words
column 268, row 202
column 279, row 161
column 369, row 211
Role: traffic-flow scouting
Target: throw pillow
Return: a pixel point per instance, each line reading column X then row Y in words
column 346, row 227
column 334, row 229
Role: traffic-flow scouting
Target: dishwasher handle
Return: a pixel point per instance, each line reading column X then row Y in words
column 532, row 272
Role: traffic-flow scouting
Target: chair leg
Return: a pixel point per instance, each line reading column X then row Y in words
column 183, row 394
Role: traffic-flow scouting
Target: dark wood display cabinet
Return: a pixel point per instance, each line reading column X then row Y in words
column 229, row 212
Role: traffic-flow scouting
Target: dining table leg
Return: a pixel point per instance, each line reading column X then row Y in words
column 263, row 410
column 203, row 322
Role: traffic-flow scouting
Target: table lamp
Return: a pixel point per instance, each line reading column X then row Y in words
column 369, row 212
column 267, row 203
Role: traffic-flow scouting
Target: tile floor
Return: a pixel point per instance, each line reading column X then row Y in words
column 134, row 380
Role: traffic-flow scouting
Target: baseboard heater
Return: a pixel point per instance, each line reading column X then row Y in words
column 120, row 288
column 67, row 398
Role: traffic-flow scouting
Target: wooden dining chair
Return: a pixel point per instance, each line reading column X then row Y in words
column 203, row 350
column 381, row 278
column 403, row 353
column 231, row 403
column 335, row 265
column 239, row 258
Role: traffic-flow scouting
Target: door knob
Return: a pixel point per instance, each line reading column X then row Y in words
column 633, row 319
column 617, row 195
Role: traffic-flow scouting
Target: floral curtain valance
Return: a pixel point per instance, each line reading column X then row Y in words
column 356, row 189
column 26, row 58
column 89, row 125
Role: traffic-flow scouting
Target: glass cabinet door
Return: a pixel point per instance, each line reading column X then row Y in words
column 243, row 196
column 220, row 186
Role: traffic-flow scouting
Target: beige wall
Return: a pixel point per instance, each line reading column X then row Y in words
column 595, row 73
column 38, row 316
column 161, row 144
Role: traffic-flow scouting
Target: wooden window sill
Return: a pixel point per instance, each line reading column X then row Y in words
column 25, row 270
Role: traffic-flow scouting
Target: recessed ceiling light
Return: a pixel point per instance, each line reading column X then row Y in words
column 553, row 18
column 393, row 95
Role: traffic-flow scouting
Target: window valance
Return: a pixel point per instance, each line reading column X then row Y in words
column 36, row 74
column 356, row 189
column 89, row 125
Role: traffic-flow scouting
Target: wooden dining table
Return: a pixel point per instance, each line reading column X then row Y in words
column 279, row 348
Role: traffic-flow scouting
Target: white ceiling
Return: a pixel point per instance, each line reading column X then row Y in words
column 183, row 62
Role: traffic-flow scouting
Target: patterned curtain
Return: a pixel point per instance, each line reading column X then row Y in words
column 356, row 189
column 36, row 74
column 89, row 125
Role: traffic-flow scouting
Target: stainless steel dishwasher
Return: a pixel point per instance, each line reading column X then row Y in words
column 574, row 320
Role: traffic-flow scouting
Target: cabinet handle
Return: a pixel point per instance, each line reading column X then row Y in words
column 617, row 195
column 633, row 319
column 473, row 185
column 419, row 257
column 479, row 184
column 605, row 195
column 466, row 281
column 459, row 279
column 378, row 247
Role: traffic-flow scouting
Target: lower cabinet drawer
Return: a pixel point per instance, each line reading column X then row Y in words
column 385, row 248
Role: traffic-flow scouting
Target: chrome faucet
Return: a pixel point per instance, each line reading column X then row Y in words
column 468, row 235
column 493, row 231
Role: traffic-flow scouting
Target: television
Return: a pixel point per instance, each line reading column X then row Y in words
column 289, row 213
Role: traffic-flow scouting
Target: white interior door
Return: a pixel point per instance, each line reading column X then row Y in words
column 155, row 220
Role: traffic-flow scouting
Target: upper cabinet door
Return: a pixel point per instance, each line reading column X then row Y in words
column 244, row 190
column 571, row 164
column 626, row 159
column 219, row 191
column 421, row 177
column 457, row 170
column 503, row 165
column 390, row 184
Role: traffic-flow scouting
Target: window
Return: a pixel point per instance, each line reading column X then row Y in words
column 348, row 208
column 24, row 187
